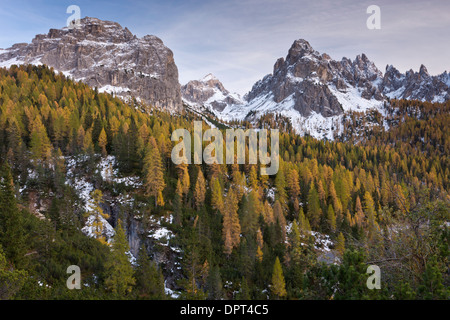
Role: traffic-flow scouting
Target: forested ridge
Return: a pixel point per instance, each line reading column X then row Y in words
column 372, row 197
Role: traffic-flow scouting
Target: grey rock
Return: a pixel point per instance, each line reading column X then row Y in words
column 102, row 54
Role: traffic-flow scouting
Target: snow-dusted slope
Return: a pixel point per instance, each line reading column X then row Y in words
column 315, row 92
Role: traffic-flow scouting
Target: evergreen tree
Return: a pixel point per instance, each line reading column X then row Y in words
column 120, row 275
column 149, row 279
column 314, row 210
column 214, row 287
column 12, row 232
column 340, row 244
column 96, row 211
column 154, row 176
column 11, row 281
column 200, row 190
column 103, row 141
column 278, row 287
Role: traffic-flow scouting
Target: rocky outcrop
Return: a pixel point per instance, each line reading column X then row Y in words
column 107, row 56
column 310, row 78
column 416, row 85
column 210, row 93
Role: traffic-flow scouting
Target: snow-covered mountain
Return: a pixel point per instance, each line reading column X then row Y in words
column 210, row 94
column 105, row 55
column 314, row 91
column 416, row 85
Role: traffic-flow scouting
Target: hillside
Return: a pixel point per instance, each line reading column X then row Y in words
column 87, row 180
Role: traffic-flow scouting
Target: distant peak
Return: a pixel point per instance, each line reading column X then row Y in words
column 208, row 77
column 423, row 70
column 299, row 49
column 302, row 43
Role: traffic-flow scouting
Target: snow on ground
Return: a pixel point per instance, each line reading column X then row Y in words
column 109, row 173
column 323, row 242
column 108, row 230
column 172, row 293
column 113, row 89
column 84, row 188
column 160, row 233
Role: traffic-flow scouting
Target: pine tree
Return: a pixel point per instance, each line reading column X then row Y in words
column 268, row 213
column 120, row 275
column 11, row 281
column 340, row 244
column 153, row 169
column 293, row 185
column 250, row 213
column 149, row 279
column 214, row 284
column 331, row 218
column 103, row 141
column 369, row 209
column 40, row 143
column 280, row 219
column 314, row 210
column 12, row 233
column 278, row 287
column 200, row 190
column 280, row 186
column 98, row 215
column 231, row 226
column 183, row 176
column 216, row 196
column 359, row 213
column 244, row 292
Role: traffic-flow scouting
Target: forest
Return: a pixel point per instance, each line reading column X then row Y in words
column 377, row 195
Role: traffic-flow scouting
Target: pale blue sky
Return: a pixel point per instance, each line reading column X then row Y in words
column 240, row 40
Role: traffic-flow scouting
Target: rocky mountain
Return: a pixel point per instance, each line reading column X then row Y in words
column 209, row 93
column 314, row 91
column 416, row 85
column 105, row 55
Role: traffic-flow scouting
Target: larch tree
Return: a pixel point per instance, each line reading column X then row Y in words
column 200, row 190
column 217, row 196
column 279, row 218
column 314, row 210
column 278, row 287
column 103, row 141
column 340, row 244
column 97, row 223
column 154, row 176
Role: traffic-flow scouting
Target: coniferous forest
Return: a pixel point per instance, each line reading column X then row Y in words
column 87, row 180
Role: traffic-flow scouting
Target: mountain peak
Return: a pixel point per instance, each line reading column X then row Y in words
column 105, row 55
column 209, row 77
column 300, row 48
column 423, row 70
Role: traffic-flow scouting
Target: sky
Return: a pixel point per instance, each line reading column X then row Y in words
column 239, row 40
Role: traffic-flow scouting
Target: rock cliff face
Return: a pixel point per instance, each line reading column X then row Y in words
column 416, row 85
column 105, row 55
